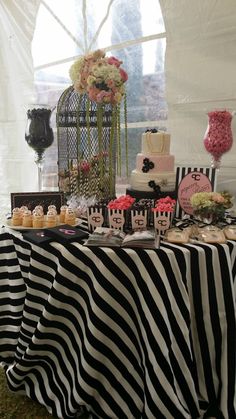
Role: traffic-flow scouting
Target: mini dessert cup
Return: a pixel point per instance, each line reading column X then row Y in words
column 52, row 207
column 27, row 219
column 39, row 209
column 16, row 217
column 62, row 213
column 230, row 232
column 70, row 216
column 38, row 220
column 22, row 210
column 51, row 219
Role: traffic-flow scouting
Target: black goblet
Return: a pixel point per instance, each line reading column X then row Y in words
column 39, row 136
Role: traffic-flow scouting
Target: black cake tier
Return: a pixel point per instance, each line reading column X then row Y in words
column 149, row 195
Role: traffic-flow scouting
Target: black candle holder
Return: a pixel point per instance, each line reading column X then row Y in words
column 39, row 136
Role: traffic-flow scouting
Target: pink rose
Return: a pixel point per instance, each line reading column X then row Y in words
column 110, row 83
column 123, row 74
column 218, row 198
column 114, row 61
column 104, row 97
column 93, row 92
column 84, row 166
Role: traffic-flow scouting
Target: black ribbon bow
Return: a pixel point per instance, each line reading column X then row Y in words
column 153, row 130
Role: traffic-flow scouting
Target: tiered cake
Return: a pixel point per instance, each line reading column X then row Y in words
column 154, row 175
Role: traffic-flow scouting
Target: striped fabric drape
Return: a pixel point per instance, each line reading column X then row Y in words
column 127, row 333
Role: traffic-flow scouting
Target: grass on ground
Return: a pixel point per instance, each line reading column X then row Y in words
column 14, row 406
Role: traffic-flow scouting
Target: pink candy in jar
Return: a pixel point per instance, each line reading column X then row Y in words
column 218, row 138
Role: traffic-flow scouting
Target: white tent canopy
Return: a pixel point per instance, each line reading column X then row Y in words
column 199, row 77
column 16, row 86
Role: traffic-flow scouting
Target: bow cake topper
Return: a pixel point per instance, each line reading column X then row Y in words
column 153, row 130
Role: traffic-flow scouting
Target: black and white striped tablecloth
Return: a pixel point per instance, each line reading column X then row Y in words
column 126, row 333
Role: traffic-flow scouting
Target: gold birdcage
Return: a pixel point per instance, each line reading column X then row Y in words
column 86, row 133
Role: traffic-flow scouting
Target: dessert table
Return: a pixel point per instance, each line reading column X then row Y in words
column 126, row 333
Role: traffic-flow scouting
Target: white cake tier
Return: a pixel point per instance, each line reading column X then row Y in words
column 139, row 181
column 161, row 163
column 158, row 142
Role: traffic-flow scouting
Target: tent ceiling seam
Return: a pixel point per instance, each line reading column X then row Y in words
column 101, row 25
column 85, row 27
column 143, row 124
column 114, row 47
column 62, row 25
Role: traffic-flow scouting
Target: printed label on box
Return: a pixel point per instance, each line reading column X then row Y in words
column 138, row 220
column 161, row 222
column 95, row 218
column 116, row 219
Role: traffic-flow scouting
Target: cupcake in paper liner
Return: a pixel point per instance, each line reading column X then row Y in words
column 70, row 217
column 38, row 219
column 52, row 208
column 27, row 219
column 62, row 214
column 51, row 219
column 16, row 217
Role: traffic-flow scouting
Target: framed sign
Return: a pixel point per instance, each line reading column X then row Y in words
column 31, row 199
column 190, row 180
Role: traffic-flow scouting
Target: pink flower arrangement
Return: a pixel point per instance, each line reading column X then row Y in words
column 166, row 204
column 100, row 77
column 84, row 166
column 124, row 202
column 211, row 204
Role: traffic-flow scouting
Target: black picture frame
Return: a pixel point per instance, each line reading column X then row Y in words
column 31, row 199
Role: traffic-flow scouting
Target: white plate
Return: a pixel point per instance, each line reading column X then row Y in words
column 9, row 224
